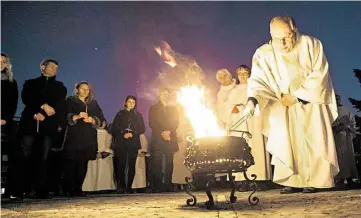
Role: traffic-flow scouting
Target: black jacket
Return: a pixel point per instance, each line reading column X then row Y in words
column 35, row 93
column 82, row 136
column 9, row 100
column 127, row 120
column 161, row 119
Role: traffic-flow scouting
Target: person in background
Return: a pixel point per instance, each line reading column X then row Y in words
column 9, row 102
column 344, row 129
column 127, row 127
column 84, row 116
column 164, row 121
column 39, row 123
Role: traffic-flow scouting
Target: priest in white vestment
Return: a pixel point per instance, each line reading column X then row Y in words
column 237, row 100
column 291, row 83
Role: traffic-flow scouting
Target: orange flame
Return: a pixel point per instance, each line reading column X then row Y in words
column 165, row 52
column 202, row 118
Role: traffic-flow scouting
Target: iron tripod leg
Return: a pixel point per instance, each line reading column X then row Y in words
column 190, row 201
column 210, row 203
column 232, row 197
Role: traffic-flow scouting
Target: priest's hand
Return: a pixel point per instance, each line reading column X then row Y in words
column 288, row 100
column 3, row 122
column 249, row 109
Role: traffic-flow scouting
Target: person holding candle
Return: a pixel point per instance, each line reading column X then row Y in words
column 84, row 116
column 43, row 98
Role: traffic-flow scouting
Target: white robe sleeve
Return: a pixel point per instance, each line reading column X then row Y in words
column 222, row 106
column 318, row 88
column 262, row 84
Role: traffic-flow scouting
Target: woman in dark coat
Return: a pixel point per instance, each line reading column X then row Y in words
column 9, row 102
column 84, row 116
column 9, row 92
column 127, row 126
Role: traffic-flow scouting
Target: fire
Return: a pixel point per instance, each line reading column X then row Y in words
column 165, row 51
column 202, row 118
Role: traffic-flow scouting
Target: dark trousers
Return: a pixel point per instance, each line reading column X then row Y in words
column 55, row 175
column 157, row 169
column 74, row 172
column 35, row 151
column 8, row 169
column 122, row 157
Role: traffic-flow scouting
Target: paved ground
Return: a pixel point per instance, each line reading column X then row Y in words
column 272, row 204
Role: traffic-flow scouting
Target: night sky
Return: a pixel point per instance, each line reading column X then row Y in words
column 110, row 44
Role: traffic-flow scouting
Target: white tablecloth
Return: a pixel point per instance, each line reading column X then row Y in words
column 140, row 180
column 100, row 174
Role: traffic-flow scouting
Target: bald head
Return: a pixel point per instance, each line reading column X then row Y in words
column 283, row 31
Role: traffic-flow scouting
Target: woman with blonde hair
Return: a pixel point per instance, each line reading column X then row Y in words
column 9, row 92
column 9, row 102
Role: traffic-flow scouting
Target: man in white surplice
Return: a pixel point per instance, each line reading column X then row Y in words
column 291, row 83
column 237, row 99
column 224, row 77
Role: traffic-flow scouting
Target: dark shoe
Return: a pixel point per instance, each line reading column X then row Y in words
column 309, row 190
column 155, row 190
column 16, row 198
column 80, row 194
column 290, row 190
column 129, row 191
column 120, row 191
column 170, row 190
column 43, row 197
column 69, row 194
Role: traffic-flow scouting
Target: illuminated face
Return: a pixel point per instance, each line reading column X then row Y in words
column 49, row 70
column 283, row 37
column 83, row 91
column 224, row 78
column 243, row 74
column 164, row 97
column 4, row 63
column 130, row 104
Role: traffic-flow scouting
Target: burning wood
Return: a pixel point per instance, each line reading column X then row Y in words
column 191, row 93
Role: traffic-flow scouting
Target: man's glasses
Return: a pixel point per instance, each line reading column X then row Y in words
column 283, row 39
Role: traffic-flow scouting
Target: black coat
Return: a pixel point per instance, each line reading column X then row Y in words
column 35, row 93
column 9, row 100
column 161, row 119
column 127, row 120
column 82, row 136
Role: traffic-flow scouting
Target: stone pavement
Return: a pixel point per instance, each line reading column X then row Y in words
column 272, row 204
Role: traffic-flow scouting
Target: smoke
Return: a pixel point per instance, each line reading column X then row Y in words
column 176, row 70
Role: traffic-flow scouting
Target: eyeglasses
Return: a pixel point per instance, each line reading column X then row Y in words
column 283, row 39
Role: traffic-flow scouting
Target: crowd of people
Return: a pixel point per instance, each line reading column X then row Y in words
column 297, row 122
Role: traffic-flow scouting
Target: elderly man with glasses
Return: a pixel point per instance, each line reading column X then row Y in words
column 290, row 81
